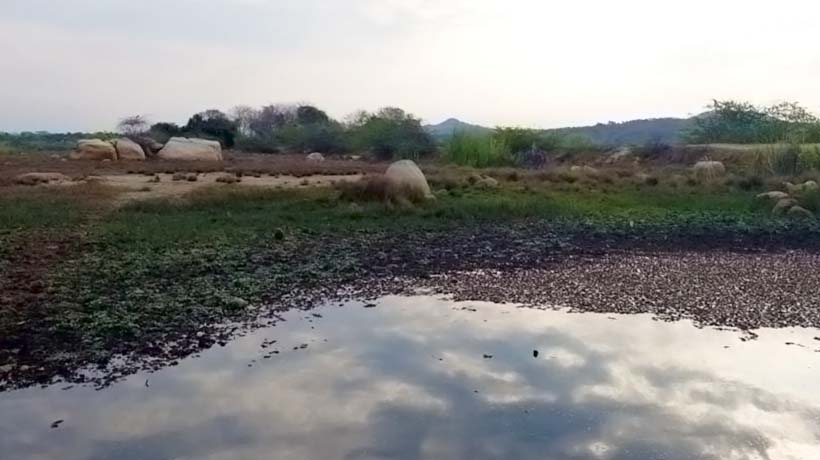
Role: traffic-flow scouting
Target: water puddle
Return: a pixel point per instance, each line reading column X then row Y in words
column 423, row 377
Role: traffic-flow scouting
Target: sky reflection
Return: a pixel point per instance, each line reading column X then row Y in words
column 409, row 380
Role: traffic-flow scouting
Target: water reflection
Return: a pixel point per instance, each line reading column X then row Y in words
column 410, row 380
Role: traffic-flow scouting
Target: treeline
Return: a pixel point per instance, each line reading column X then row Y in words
column 744, row 123
column 45, row 141
column 386, row 133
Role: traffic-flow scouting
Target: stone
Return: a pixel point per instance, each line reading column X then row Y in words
column 406, row 175
column 799, row 211
column 709, row 170
column 36, row 178
column 228, row 179
column 191, row 149
column 774, row 195
column 585, row 170
column 316, row 156
column 784, row 205
column 94, row 149
column 129, row 150
column 806, row 187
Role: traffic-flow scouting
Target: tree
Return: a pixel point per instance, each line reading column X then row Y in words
column 163, row 131
column 742, row 122
column 213, row 124
column 133, row 126
column 391, row 133
column 243, row 116
column 310, row 115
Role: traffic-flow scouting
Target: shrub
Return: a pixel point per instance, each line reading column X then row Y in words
column 653, row 148
column 213, row 124
column 163, row 131
column 786, row 160
column 378, row 188
column 391, row 133
column 476, row 150
column 750, row 183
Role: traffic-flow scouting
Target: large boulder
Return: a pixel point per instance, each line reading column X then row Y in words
column 94, row 149
column 191, row 149
column 709, row 170
column 406, row 176
column 129, row 150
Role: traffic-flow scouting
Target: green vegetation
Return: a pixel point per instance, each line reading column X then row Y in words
column 744, row 123
column 44, row 141
column 477, row 150
column 174, row 273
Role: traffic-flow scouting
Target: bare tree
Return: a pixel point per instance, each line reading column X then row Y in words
column 133, row 126
column 243, row 116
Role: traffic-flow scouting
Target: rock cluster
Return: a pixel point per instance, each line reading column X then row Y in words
column 789, row 203
column 125, row 149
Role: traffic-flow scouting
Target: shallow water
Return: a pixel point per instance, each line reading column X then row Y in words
column 421, row 377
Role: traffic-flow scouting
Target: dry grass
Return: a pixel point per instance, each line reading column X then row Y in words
column 378, row 188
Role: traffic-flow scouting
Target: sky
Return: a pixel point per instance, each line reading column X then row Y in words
column 82, row 65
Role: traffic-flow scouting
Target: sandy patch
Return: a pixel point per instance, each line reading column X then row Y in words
column 141, row 187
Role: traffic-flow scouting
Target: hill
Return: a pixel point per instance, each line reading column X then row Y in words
column 667, row 130
column 446, row 128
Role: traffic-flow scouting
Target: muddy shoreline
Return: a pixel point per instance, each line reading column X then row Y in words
column 716, row 276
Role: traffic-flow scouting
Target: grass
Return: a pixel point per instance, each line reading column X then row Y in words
column 477, row 150
column 161, row 271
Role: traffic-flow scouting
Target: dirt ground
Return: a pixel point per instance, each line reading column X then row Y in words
column 246, row 164
column 155, row 178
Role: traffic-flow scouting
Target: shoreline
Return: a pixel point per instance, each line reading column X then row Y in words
column 531, row 264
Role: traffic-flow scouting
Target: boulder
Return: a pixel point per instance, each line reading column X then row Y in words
column 94, row 149
column 406, row 175
column 316, row 156
column 709, row 170
column 129, row 150
column 191, row 149
column 480, row 181
column 805, row 187
column 227, row 178
column 585, row 170
column 774, row 196
column 784, row 205
column 35, row 178
column 799, row 211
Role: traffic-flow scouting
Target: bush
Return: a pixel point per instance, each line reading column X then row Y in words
column 162, row 132
column 327, row 137
column 391, row 133
column 215, row 125
column 653, row 148
column 379, row 188
column 785, row 160
column 476, row 150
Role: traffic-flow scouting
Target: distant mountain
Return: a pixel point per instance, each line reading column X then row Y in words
column 667, row 130
column 447, row 127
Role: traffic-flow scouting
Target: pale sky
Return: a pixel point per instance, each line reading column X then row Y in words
column 84, row 64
